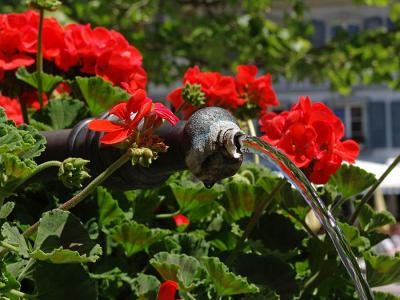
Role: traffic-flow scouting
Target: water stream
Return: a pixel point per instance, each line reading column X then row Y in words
column 303, row 185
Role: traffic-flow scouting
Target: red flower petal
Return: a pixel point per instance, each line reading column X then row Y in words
column 181, row 220
column 164, row 113
column 167, row 290
column 119, row 111
column 115, row 137
column 104, row 126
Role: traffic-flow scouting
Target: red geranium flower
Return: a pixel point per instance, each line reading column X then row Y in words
column 12, row 109
column 129, row 115
column 256, row 90
column 310, row 135
column 181, row 220
column 219, row 90
column 167, row 290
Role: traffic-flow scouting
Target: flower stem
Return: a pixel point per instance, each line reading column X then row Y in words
column 254, row 220
column 39, row 168
column 24, row 110
column 166, row 216
column 88, row 189
column 252, row 132
column 20, row 294
column 39, row 58
column 8, row 246
column 371, row 191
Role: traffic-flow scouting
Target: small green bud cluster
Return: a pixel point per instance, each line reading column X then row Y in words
column 50, row 5
column 143, row 156
column 73, row 172
column 192, row 94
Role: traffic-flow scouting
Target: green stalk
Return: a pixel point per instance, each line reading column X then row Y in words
column 88, row 189
column 24, row 110
column 9, row 247
column 20, row 294
column 39, row 168
column 371, row 191
column 39, row 58
column 166, row 216
column 252, row 132
column 253, row 221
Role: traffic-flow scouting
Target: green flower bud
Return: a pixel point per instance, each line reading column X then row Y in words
column 143, row 156
column 192, row 94
column 73, row 171
column 50, row 5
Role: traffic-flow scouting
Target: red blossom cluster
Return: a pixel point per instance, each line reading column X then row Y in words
column 12, row 107
column 129, row 115
column 167, row 290
column 310, row 135
column 97, row 51
column 227, row 91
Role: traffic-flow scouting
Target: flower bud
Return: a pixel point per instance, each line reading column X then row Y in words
column 73, row 171
column 192, row 94
column 50, row 5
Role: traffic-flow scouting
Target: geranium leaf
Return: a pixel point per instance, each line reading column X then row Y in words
column 194, row 200
column 350, row 180
column 353, row 237
column 65, row 256
column 15, row 238
column 371, row 219
column 7, row 284
column 181, row 268
column 239, row 197
column 145, row 286
column 109, row 211
column 6, row 209
column 63, row 282
column 136, row 237
column 225, row 282
column 61, row 230
column 385, row 296
column 190, row 244
column 382, row 269
column 48, row 81
column 99, row 94
column 60, row 114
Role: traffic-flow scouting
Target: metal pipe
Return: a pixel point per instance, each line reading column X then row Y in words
column 207, row 145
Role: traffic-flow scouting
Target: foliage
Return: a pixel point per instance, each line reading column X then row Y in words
column 124, row 244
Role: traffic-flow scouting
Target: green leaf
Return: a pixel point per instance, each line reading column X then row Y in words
column 63, row 282
column 65, row 256
column 382, row 269
column 181, row 268
column 145, row 286
column 194, row 200
column 7, row 284
column 15, row 238
column 61, row 114
column 225, row 282
column 109, row 211
column 395, row 12
column 353, row 237
column 385, row 296
column 49, row 82
column 3, row 116
column 6, row 209
column 268, row 272
column 371, row 219
column 350, row 180
column 62, row 238
column 136, row 237
column 240, row 197
column 99, row 94
column 190, row 244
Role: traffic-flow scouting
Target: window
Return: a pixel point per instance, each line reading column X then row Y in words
column 395, row 110
column 353, row 29
column 373, row 22
column 318, row 38
column 352, row 116
column 377, row 124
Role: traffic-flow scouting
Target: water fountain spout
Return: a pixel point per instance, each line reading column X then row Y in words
column 207, row 144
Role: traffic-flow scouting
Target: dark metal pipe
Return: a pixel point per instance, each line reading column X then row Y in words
column 206, row 144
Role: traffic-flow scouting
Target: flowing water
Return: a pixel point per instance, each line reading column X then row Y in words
column 299, row 180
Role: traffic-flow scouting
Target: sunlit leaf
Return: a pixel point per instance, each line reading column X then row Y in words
column 49, row 82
